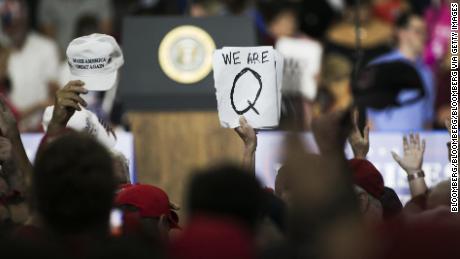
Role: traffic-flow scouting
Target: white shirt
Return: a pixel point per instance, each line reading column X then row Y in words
column 302, row 65
column 30, row 70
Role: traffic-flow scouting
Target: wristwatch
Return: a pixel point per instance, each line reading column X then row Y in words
column 416, row 175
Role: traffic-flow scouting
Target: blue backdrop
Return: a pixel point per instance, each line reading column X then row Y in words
column 436, row 164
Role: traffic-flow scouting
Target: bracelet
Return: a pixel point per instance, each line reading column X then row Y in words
column 419, row 174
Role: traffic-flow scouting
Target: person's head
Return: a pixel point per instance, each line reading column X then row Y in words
column 14, row 14
column 280, row 18
column 334, row 92
column 226, row 191
column 392, row 206
column 74, row 185
column 439, row 195
column 370, row 207
column 236, row 7
column 204, row 8
column 335, row 69
column 152, row 205
column 364, row 9
column 282, row 189
column 291, row 175
column 369, row 189
column 86, row 25
column 411, row 32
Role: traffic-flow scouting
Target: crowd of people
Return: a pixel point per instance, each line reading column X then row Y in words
column 76, row 199
column 35, row 34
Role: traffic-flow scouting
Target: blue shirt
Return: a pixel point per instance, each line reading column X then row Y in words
column 411, row 117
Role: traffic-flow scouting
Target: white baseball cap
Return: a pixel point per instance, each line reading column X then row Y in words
column 84, row 121
column 95, row 60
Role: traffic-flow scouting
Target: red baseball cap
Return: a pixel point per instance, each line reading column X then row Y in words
column 366, row 176
column 151, row 201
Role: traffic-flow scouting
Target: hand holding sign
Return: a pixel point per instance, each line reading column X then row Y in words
column 247, row 134
column 249, row 137
column 247, row 83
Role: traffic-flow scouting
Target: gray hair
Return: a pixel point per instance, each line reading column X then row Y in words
column 374, row 202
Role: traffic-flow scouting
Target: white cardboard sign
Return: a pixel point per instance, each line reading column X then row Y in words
column 302, row 63
column 248, row 83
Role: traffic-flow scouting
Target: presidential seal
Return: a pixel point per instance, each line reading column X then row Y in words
column 185, row 54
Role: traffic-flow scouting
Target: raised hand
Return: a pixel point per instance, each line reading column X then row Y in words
column 66, row 102
column 331, row 131
column 247, row 134
column 359, row 142
column 17, row 153
column 412, row 159
column 249, row 137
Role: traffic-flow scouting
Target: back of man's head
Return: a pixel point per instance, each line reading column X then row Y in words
column 403, row 20
column 439, row 195
column 226, row 191
column 74, row 185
